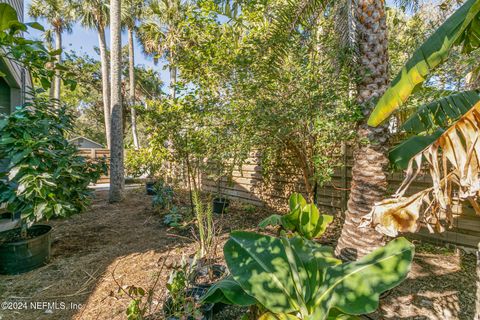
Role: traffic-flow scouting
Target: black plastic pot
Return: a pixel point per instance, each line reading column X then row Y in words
column 220, row 204
column 149, row 186
column 196, row 293
column 217, row 270
column 25, row 255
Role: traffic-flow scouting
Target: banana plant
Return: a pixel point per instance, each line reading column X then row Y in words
column 295, row 278
column 448, row 134
column 303, row 218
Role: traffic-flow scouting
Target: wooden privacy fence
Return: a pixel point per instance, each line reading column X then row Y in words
column 248, row 185
column 97, row 154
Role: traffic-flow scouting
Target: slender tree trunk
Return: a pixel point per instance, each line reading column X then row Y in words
column 131, row 74
column 104, row 60
column 369, row 177
column 117, row 180
column 57, row 80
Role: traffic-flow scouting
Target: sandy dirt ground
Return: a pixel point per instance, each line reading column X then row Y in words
column 117, row 245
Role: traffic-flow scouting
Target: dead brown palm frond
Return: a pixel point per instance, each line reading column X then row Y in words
column 453, row 161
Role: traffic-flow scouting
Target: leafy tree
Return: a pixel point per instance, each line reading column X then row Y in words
column 159, row 33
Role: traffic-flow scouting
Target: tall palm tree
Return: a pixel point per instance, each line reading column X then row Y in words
column 160, row 33
column 117, row 179
column 131, row 11
column 60, row 15
column 369, row 175
column 94, row 14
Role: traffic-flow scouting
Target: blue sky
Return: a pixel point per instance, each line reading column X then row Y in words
column 82, row 40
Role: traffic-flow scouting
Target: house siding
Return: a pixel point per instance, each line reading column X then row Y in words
column 18, row 79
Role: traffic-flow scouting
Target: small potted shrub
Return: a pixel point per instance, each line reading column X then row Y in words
column 44, row 177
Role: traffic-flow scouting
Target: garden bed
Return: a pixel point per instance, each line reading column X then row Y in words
column 127, row 244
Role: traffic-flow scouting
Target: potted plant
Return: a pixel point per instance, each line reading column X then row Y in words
column 45, row 177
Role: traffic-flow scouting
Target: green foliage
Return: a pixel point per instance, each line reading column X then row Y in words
column 303, row 218
column 299, row 279
column 163, row 197
column 180, row 304
column 205, row 226
column 144, row 161
column 134, row 310
column 44, row 175
column 458, row 29
column 31, row 54
column 441, row 113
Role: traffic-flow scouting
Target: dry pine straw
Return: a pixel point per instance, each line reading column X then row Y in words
column 129, row 239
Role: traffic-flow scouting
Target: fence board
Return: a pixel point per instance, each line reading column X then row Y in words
column 248, row 185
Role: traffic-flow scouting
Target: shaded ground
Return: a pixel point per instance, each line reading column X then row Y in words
column 127, row 244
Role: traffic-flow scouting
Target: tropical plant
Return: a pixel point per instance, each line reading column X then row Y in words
column 448, row 139
column 94, row 14
column 159, row 33
column 117, row 178
column 295, row 278
column 44, row 176
column 303, row 218
column 60, row 15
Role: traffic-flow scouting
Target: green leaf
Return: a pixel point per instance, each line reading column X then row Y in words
column 355, row 288
column 260, row 266
column 8, row 16
column 401, row 154
column 35, row 25
column 296, row 201
column 273, row 220
column 433, row 52
column 441, row 112
column 228, row 291
column 311, row 223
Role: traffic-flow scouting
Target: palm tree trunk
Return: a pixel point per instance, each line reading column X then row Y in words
column 369, row 176
column 57, row 79
column 105, row 82
column 131, row 74
column 117, row 179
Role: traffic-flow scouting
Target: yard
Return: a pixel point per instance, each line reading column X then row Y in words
column 126, row 244
column 239, row 159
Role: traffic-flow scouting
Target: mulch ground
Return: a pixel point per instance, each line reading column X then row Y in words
column 116, row 245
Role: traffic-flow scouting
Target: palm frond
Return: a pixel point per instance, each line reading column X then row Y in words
column 460, row 28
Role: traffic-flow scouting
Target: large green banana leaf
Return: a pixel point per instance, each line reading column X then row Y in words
column 438, row 115
column 354, row 288
column 441, row 113
column 461, row 27
column 301, row 278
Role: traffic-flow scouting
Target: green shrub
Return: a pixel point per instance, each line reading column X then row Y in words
column 44, row 176
column 163, row 197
